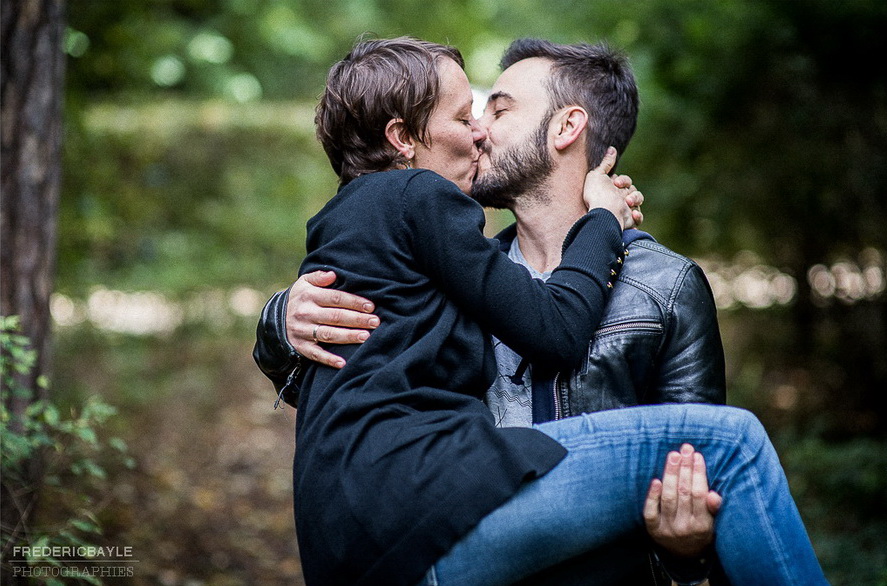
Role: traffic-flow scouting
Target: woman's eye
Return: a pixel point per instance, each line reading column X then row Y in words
column 466, row 122
column 499, row 112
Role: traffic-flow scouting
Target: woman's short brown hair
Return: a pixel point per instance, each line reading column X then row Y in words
column 379, row 80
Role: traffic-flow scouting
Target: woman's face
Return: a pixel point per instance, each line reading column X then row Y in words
column 453, row 134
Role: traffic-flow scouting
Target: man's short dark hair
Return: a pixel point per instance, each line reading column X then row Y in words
column 593, row 77
column 379, row 80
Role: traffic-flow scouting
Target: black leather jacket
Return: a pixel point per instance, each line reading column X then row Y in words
column 273, row 353
column 658, row 342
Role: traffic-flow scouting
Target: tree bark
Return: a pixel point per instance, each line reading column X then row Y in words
column 31, row 86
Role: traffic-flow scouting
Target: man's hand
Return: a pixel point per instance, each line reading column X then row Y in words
column 680, row 509
column 315, row 314
column 616, row 194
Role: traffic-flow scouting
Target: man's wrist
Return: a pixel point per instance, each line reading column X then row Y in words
column 686, row 571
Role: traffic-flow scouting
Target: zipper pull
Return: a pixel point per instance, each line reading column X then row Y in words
column 290, row 380
column 518, row 376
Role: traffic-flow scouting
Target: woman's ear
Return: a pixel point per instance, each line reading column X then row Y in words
column 570, row 123
column 400, row 138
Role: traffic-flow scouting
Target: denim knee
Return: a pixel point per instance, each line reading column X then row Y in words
column 748, row 428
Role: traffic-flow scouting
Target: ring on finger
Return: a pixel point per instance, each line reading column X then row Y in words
column 314, row 334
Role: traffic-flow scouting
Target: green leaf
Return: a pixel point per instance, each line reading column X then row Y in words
column 51, row 415
column 88, row 435
column 94, row 469
column 118, row 444
column 85, row 526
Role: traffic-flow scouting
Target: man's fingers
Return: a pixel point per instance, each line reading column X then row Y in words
column 670, row 484
column 343, row 318
column 713, row 501
column 307, row 330
column 317, row 314
column 342, row 300
column 302, row 318
column 700, row 485
column 608, row 162
column 320, row 278
column 685, row 480
column 313, row 352
column 651, row 505
column 679, row 528
column 333, row 335
column 313, row 288
column 334, row 326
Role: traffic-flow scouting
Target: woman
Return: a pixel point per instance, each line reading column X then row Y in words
column 398, row 465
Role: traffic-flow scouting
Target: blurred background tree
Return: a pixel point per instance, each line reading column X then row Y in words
column 31, row 113
column 190, row 168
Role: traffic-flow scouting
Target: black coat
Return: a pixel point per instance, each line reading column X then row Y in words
column 396, row 455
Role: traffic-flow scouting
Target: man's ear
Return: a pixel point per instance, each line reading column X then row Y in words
column 400, row 138
column 569, row 123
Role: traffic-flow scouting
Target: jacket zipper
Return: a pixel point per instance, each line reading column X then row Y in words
column 557, row 402
column 290, row 380
column 652, row 326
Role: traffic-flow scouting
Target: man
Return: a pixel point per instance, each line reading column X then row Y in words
column 658, row 341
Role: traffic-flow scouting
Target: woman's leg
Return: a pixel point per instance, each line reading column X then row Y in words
column 596, row 495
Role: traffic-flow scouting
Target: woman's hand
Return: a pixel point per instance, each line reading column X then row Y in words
column 316, row 314
column 615, row 194
column 633, row 198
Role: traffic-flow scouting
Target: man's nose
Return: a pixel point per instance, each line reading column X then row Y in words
column 478, row 132
column 485, row 120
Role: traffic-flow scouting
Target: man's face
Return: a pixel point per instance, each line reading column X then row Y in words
column 516, row 158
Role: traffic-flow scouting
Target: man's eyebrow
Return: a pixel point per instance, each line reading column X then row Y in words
column 500, row 96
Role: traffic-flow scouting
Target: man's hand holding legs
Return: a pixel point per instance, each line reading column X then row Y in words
column 679, row 510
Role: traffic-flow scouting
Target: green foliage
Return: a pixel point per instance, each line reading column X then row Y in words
column 16, row 357
column 182, row 184
column 746, row 105
column 840, row 487
column 70, row 450
column 190, row 164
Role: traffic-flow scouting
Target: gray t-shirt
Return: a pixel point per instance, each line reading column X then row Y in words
column 512, row 404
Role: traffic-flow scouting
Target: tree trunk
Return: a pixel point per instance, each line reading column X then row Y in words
column 31, row 85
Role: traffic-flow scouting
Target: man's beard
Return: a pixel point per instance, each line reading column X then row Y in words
column 518, row 171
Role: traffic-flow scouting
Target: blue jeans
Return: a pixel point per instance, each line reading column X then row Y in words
column 596, row 495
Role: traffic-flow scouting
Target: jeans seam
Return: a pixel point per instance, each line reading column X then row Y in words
column 604, row 436
column 779, row 551
column 431, row 577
